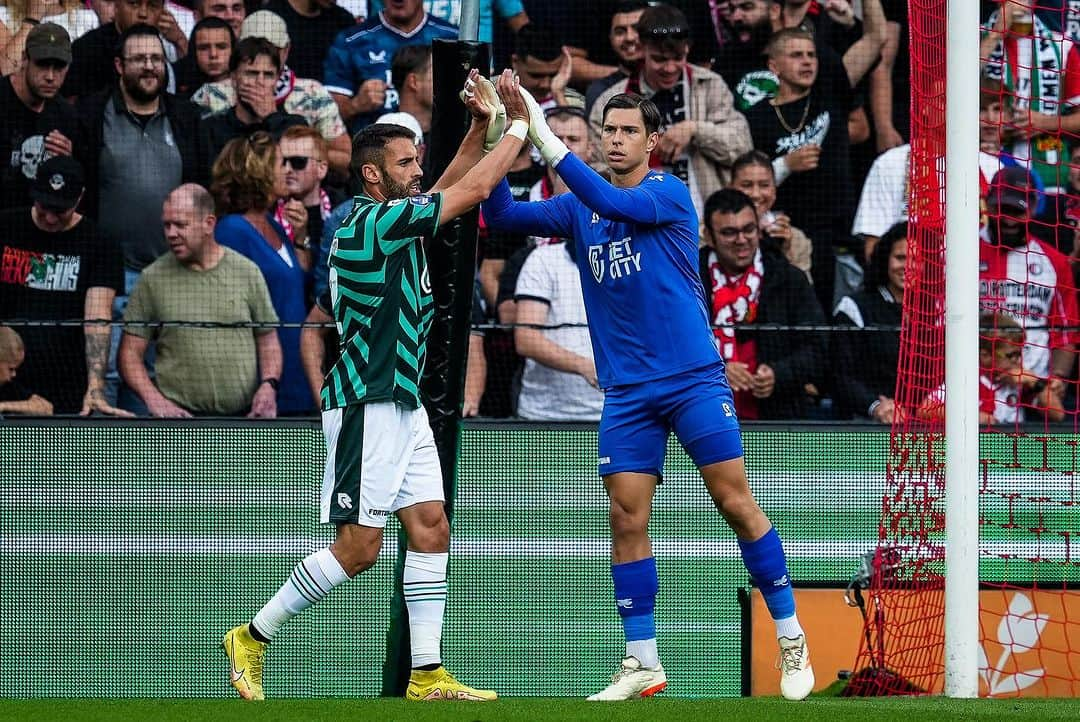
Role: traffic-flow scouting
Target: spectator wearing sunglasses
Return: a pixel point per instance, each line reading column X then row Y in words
column 292, row 93
column 303, row 211
column 248, row 179
column 703, row 134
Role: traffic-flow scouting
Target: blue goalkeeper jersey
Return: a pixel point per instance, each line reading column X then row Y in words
column 637, row 252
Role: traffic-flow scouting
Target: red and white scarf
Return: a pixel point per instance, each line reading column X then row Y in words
column 733, row 301
column 324, row 210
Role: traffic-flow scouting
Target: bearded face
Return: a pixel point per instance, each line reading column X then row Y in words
column 1008, row 226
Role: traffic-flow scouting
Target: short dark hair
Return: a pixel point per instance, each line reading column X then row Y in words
column 664, row 27
column 752, row 158
column 408, row 59
column 629, row 6
column 250, row 48
column 772, row 49
column 726, row 200
column 650, row 114
column 539, row 42
column 369, row 145
column 213, row 23
column 877, row 270
column 135, row 31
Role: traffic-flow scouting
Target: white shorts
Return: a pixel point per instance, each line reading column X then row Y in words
column 380, row 458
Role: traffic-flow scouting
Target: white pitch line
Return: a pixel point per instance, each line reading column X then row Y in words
column 90, row 545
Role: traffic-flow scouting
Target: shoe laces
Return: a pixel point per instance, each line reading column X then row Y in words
column 624, row 671
column 791, row 658
column 255, row 666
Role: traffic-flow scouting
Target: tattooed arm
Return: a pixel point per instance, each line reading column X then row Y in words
column 98, row 308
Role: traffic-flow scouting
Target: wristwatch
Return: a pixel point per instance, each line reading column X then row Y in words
column 274, row 383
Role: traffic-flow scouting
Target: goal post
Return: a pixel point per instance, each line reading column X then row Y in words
column 961, row 349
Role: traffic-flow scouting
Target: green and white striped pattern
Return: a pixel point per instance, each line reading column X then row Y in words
column 382, row 301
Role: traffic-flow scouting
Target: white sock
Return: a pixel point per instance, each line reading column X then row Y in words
column 644, row 650
column 788, row 627
column 310, row 581
column 425, row 599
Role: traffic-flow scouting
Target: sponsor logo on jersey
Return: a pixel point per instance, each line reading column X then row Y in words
column 425, row 281
column 781, row 582
column 344, row 500
column 614, row 260
column 595, row 218
column 657, row 177
column 421, row 200
column 596, row 262
column 605, row 459
column 625, row 603
column 379, row 57
column 378, row 512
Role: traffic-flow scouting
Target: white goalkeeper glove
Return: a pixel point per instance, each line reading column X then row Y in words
column 552, row 150
column 485, row 92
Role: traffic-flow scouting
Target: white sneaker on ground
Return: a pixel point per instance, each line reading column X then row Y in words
column 796, row 674
column 632, row 681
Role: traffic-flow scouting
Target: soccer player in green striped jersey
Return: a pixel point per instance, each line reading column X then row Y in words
column 381, row 457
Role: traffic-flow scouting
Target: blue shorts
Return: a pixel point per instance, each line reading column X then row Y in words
column 697, row 405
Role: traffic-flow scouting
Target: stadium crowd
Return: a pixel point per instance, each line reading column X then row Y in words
column 179, row 161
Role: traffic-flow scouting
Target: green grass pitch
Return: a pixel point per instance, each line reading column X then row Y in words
column 530, row 709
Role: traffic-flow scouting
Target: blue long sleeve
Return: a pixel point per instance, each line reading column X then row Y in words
column 538, row 218
column 628, row 205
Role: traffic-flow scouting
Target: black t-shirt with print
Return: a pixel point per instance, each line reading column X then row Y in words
column 22, row 141
column 44, row 277
column 819, row 201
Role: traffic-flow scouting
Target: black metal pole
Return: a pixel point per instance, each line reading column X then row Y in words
column 451, row 256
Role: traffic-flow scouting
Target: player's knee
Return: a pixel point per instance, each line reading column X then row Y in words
column 627, row 521
column 433, row 537
column 357, row 552
column 736, row 506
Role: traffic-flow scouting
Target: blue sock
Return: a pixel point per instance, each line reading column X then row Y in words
column 765, row 561
column 636, row 584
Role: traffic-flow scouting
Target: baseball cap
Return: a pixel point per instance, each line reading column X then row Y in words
column 406, row 120
column 1011, row 187
column 268, row 25
column 58, row 183
column 48, row 41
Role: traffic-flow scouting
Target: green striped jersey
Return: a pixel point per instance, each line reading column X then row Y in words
column 382, row 301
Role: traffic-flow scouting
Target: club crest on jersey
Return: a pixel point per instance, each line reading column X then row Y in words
column 596, row 262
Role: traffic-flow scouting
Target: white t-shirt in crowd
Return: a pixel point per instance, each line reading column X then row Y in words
column 77, row 22
column 884, row 199
column 549, row 275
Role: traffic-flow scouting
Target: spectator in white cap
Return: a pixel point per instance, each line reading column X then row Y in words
column 299, row 96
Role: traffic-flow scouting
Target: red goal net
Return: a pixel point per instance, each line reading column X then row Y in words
column 1029, row 505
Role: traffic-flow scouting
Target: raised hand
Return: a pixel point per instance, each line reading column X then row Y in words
column 511, row 95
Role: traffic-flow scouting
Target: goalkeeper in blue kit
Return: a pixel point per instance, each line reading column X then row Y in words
column 656, row 359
